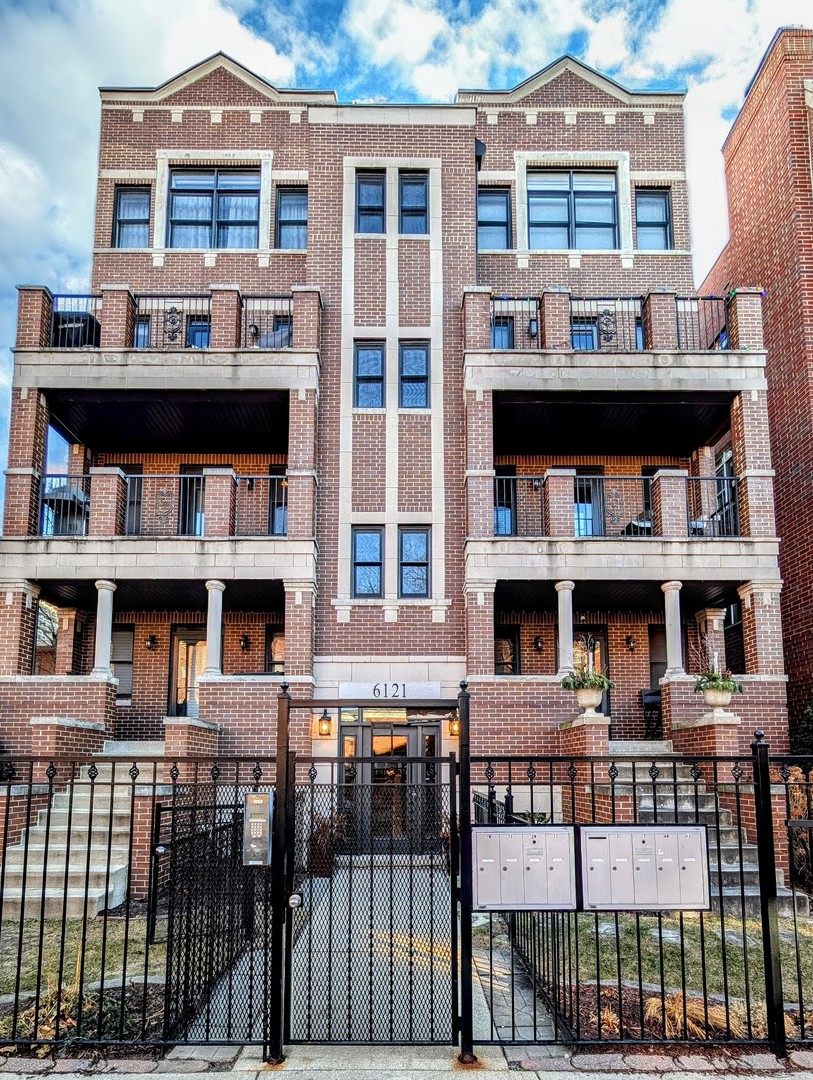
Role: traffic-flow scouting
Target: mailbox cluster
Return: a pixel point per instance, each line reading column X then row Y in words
column 622, row 868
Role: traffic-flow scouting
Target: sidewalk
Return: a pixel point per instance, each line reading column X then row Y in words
column 422, row 1063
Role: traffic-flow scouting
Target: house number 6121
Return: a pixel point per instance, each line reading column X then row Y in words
column 389, row 690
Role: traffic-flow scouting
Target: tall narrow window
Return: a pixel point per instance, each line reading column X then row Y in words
column 414, row 375
column 214, row 208
column 131, row 226
column 275, row 650
column 653, row 219
column 370, row 202
column 121, row 661
column 368, row 389
column 368, row 562
column 413, row 562
column 493, row 219
column 292, row 218
column 576, row 209
column 413, row 191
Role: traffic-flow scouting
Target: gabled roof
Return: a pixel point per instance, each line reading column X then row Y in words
column 583, row 71
column 206, row 67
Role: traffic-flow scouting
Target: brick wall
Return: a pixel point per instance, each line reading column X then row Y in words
column 22, row 698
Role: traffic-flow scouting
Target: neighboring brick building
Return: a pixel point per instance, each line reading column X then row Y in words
column 315, row 429
column 768, row 158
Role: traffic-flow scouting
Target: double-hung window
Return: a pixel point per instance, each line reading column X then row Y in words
column 370, row 201
column 121, row 661
column 575, row 209
column 653, row 222
column 414, row 375
column 493, row 219
column 214, row 208
column 292, row 218
column 131, row 227
column 413, row 561
column 368, row 378
column 368, row 562
column 413, row 207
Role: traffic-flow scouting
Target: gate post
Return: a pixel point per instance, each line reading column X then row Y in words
column 766, row 858
column 275, row 998
column 466, row 1055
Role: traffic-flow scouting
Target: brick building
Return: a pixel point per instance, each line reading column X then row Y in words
column 770, row 149
column 376, row 398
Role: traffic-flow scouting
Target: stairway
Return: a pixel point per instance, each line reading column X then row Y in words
column 675, row 796
column 75, row 858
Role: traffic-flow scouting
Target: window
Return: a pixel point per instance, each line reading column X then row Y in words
column 502, row 332
column 214, row 208
column 493, row 219
column 135, row 486
column 368, row 382
column 275, row 650
column 576, row 209
column 121, row 660
column 141, row 339
column 370, row 202
column 368, row 562
column 414, row 375
column 197, row 333
column 292, row 218
column 131, row 227
column 413, row 562
column 413, row 193
column 505, row 500
column 653, row 219
column 506, row 650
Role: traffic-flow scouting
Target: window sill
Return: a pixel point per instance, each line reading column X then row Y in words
column 359, row 411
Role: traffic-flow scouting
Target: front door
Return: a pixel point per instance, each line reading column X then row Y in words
column 188, row 663
column 590, row 651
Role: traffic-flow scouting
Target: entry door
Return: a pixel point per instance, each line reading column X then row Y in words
column 188, row 663
column 592, row 644
column 390, row 796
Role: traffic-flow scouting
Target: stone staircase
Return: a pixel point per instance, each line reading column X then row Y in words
column 75, row 858
column 675, row 796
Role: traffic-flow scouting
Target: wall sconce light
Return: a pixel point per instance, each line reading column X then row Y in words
column 629, row 641
column 533, row 328
column 325, row 724
column 254, row 330
column 454, row 725
column 537, row 643
column 151, row 642
column 245, row 643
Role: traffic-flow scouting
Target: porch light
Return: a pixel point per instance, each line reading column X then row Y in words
column 254, row 330
column 454, row 725
column 537, row 643
column 533, row 328
column 629, row 641
column 325, row 724
column 245, row 643
column 151, row 642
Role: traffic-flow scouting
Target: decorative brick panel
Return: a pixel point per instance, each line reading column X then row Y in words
column 745, row 320
column 669, row 504
column 477, row 319
column 480, row 632
column 225, row 330
column 118, row 317
column 18, row 622
column 658, row 313
column 555, row 315
column 221, row 502
column 762, row 627
column 558, row 497
column 307, row 317
column 35, row 308
column 108, row 502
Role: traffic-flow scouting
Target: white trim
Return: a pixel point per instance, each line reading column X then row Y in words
column 126, row 174
column 166, row 158
column 395, row 115
column 550, row 159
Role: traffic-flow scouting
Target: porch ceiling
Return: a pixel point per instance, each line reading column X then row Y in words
column 621, row 595
column 157, row 595
column 581, row 423
column 217, row 422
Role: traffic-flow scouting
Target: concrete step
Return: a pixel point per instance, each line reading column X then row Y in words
column 118, row 772
column 74, row 903
column 102, row 797
column 684, row 815
column 78, row 873
column 35, row 854
column 99, row 833
column 736, row 901
column 83, row 815
column 131, row 747
column 643, row 748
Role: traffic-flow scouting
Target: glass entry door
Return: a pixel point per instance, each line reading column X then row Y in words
column 188, row 663
column 390, row 793
column 590, row 649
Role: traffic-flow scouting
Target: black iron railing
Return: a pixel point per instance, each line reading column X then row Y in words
column 712, row 506
column 619, row 506
column 515, row 323
column 262, row 506
column 519, row 506
column 268, row 322
column 64, row 505
column 609, row 324
column 165, row 505
column 172, row 322
column 702, row 323
column 75, row 322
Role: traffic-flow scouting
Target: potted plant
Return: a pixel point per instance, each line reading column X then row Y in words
column 588, row 684
column 715, row 683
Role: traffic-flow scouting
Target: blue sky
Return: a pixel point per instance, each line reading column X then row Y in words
column 55, row 53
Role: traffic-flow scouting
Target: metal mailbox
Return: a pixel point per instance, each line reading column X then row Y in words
column 523, row 868
column 645, row 868
column 259, row 808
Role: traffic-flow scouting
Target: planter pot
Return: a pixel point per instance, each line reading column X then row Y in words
column 716, row 699
column 588, row 698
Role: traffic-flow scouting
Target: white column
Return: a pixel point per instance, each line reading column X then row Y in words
column 674, row 658
column 565, row 591
column 214, row 627
column 104, row 627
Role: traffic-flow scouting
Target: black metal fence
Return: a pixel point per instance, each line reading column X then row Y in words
column 702, row 323
column 268, row 322
column 64, row 505
column 606, row 324
column 75, row 322
column 178, row 321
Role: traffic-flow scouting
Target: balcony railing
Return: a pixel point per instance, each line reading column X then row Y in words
column 519, row 506
column 268, row 322
column 64, row 505
column 75, row 322
column 167, row 505
column 612, row 324
column 515, row 323
column 713, row 506
column 172, row 322
column 702, row 323
column 262, row 506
